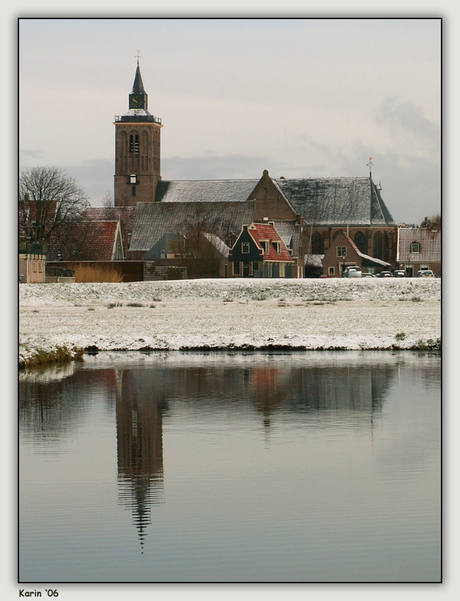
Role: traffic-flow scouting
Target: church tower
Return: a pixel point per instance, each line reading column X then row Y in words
column 137, row 149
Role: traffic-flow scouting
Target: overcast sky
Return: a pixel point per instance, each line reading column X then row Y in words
column 299, row 97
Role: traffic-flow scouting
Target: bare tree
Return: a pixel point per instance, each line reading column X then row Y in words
column 432, row 223
column 48, row 200
column 202, row 254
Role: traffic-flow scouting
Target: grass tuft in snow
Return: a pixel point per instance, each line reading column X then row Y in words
column 59, row 354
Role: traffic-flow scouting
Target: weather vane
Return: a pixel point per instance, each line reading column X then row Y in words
column 138, row 56
column 370, row 164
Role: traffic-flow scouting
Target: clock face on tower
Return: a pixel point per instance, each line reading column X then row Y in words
column 136, row 101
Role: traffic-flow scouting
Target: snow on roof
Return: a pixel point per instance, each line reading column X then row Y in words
column 266, row 232
column 153, row 220
column 337, row 200
column 231, row 190
column 430, row 247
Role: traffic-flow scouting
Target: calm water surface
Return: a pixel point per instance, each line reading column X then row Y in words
column 305, row 467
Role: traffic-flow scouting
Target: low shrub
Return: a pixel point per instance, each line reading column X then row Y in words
column 97, row 273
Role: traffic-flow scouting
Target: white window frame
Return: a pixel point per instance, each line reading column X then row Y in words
column 245, row 248
column 331, row 271
column 341, row 251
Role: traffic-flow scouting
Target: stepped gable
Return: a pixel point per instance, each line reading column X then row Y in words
column 232, row 190
column 153, row 220
column 337, row 201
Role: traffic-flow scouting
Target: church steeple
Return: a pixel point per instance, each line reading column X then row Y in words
column 138, row 99
column 137, row 149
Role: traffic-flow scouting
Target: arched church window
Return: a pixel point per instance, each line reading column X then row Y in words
column 134, row 143
column 317, row 244
column 378, row 245
column 360, row 242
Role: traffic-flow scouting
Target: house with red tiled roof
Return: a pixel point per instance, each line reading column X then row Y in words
column 343, row 252
column 419, row 248
column 259, row 251
column 107, row 244
column 125, row 215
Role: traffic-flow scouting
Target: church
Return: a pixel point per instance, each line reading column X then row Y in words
column 169, row 220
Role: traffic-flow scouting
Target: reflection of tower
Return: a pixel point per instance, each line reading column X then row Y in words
column 270, row 390
column 140, row 451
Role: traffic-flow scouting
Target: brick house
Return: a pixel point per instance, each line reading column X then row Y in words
column 344, row 252
column 260, row 252
column 419, row 248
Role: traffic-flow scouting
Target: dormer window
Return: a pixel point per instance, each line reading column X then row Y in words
column 415, row 247
column 264, row 245
column 277, row 247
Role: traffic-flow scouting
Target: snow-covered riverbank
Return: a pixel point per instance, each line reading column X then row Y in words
column 230, row 314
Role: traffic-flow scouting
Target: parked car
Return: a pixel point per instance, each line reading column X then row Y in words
column 425, row 273
column 399, row 273
column 352, row 271
column 368, row 275
column 385, row 274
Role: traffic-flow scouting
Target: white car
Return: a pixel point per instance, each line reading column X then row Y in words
column 352, row 271
column 425, row 273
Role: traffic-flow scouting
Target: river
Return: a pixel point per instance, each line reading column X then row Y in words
column 232, row 467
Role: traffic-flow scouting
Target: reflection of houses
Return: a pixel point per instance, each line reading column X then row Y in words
column 353, row 392
column 343, row 252
column 140, row 450
column 419, row 248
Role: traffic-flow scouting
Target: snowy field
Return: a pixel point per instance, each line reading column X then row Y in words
column 231, row 314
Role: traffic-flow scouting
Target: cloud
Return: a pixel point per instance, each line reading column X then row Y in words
column 404, row 119
column 233, row 166
column 95, row 177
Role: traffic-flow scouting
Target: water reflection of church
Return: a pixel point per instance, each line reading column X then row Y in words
column 143, row 396
column 140, row 449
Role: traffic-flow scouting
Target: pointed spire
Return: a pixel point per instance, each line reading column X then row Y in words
column 138, row 86
column 138, row 98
